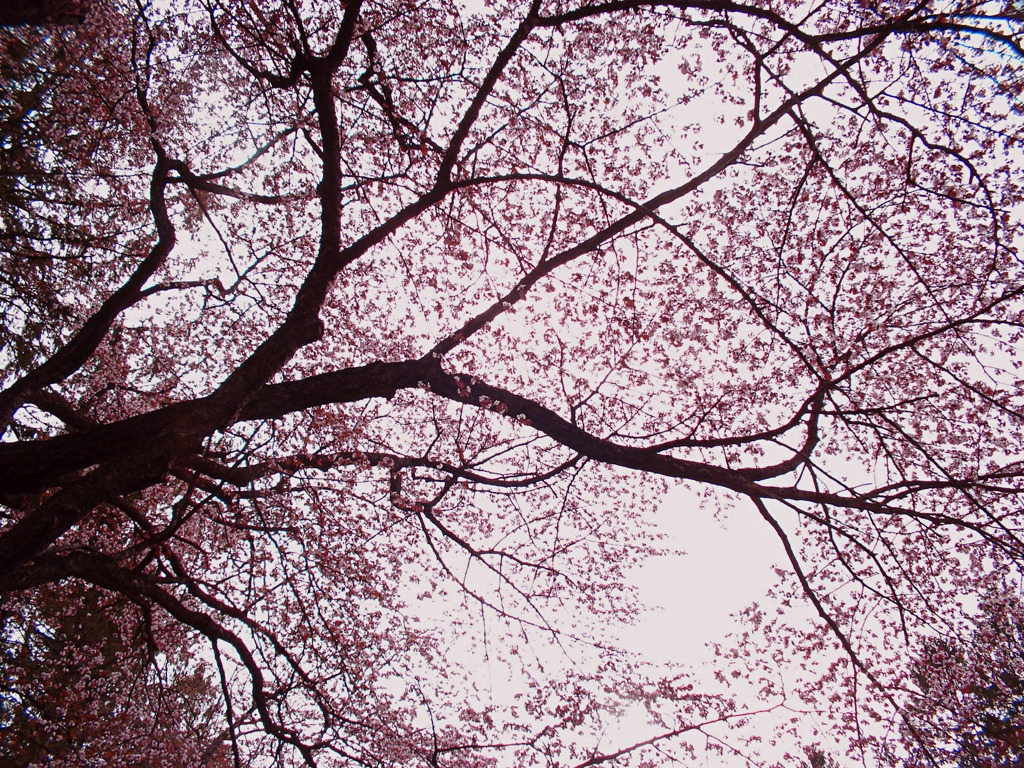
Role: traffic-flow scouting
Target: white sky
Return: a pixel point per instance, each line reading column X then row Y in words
column 726, row 564
column 726, row 558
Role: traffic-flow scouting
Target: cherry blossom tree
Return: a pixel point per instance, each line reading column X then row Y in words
column 77, row 661
column 42, row 12
column 348, row 346
column 969, row 692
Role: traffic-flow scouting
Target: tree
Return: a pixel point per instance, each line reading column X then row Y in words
column 969, row 692
column 42, row 12
column 322, row 322
column 73, row 666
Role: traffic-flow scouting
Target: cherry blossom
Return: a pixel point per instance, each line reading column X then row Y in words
column 348, row 347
